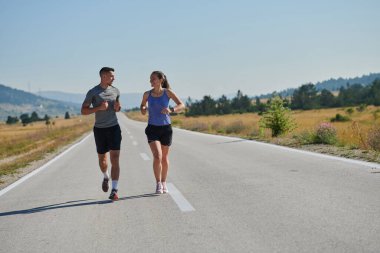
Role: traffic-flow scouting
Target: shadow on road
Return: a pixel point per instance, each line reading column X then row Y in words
column 75, row 203
column 227, row 142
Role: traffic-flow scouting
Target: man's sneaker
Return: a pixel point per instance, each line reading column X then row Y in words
column 164, row 188
column 113, row 195
column 105, row 184
column 159, row 188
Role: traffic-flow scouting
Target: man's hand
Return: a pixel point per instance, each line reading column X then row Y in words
column 117, row 106
column 103, row 106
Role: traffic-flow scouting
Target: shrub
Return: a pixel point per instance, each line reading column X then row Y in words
column 277, row 118
column 235, row 127
column 350, row 111
column 361, row 108
column 374, row 138
column 218, row 126
column 325, row 134
column 196, row 126
column 305, row 137
column 340, row 118
column 176, row 122
column 375, row 114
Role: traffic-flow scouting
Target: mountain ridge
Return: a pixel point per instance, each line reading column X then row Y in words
column 14, row 102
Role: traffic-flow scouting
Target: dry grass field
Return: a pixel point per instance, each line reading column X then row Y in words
column 20, row 145
column 351, row 134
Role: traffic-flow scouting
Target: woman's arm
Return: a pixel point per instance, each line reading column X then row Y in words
column 180, row 105
column 143, row 107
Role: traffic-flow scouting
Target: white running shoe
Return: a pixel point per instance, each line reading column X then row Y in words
column 159, row 188
column 164, row 188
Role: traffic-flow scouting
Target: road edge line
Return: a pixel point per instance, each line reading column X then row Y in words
column 36, row 171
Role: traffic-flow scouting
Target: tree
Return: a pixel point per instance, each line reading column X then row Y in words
column 223, row 105
column 208, row 105
column 277, row 118
column 352, row 95
column 241, row 103
column 374, row 93
column 34, row 117
column 305, row 97
column 189, row 102
column 67, row 115
column 327, row 99
column 12, row 120
column 25, row 119
column 260, row 107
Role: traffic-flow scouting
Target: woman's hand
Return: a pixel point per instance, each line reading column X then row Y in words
column 166, row 110
column 143, row 109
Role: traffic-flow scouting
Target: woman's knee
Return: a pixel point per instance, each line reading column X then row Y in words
column 157, row 156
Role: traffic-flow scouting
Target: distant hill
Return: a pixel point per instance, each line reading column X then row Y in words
column 75, row 98
column 14, row 102
column 128, row 100
column 332, row 84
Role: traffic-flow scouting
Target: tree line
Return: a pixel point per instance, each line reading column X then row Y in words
column 208, row 106
column 26, row 119
column 306, row 97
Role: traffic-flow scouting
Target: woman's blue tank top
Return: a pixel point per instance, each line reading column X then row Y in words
column 155, row 106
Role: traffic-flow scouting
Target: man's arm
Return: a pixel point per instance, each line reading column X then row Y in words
column 86, row 109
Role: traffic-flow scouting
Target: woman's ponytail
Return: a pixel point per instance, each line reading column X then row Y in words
column 162, row 76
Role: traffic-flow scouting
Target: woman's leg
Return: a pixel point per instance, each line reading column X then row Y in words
column 165, row 162
column 155, row 146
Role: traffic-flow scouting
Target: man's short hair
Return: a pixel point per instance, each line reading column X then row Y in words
column 105, row 69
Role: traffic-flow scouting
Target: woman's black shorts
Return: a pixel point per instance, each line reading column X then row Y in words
column 107, row 139
column 162, row 134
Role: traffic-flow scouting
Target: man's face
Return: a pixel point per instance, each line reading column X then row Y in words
column 108, row 77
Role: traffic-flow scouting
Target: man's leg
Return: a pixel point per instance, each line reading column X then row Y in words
column 103, row 162
column 103, row 167
column 115, row 167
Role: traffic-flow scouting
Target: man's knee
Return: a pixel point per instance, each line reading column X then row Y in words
column 103, row 162
column 114, row 156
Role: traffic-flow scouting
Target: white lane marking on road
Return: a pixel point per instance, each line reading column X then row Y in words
column 144, row 156
column 179, row 199
column 331, row 157
column 34, row 172
column 134, row 143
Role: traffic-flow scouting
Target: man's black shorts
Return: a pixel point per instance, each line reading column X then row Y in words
column 162, row 134
column 107, row 139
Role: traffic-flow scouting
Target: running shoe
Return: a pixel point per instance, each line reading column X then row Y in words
column 105, row 184
column 164, row 187
column 113, row 195
column 159, row 188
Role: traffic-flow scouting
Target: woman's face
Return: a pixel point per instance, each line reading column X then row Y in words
column 155, row 81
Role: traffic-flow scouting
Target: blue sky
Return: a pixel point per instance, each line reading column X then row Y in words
column 204, row 47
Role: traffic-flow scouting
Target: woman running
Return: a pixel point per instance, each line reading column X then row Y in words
column 159, row 131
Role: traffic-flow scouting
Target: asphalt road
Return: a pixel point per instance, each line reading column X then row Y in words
column 227, row 195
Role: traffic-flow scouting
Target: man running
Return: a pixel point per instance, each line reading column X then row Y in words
column 104, row 99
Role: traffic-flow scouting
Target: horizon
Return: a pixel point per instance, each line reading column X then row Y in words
column 217, row 96
column 250, row 46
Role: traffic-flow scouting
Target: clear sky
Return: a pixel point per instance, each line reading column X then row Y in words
column 205, row 47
